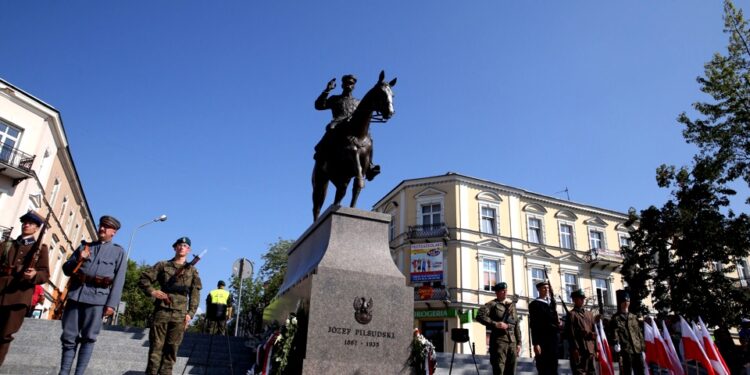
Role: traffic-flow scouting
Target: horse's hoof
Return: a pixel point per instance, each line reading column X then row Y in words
column 372, row 172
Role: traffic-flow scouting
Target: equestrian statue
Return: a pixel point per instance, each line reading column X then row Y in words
column 345, row 151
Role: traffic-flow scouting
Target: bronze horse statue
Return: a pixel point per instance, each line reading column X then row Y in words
column 350, row 149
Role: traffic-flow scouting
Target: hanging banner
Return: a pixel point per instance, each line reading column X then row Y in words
column 427, row 262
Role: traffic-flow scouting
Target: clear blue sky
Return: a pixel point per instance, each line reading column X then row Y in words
column 204, row 110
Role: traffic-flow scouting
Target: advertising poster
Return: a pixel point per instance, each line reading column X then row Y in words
column 427, row 262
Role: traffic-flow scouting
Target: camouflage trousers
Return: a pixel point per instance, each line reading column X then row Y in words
column 503, row 357
column 165, row 336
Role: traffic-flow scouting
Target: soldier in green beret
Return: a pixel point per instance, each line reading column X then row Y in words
column 627, row 336
column 499, row 315
column 177, row 298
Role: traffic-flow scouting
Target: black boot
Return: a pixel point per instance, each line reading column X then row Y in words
column 372, row 171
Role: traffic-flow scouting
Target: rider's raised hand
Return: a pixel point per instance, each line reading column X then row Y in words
column 331, row 85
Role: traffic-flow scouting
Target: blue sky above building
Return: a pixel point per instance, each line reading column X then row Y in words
column 204, row 110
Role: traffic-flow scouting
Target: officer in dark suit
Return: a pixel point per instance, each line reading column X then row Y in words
column 499, row 315
column 545, row 330
column 97, row 271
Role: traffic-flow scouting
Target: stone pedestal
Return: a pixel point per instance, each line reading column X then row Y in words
column 359, row 309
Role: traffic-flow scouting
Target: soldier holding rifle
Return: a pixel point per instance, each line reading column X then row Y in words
column 545, row 330
column 23, row 265
column 500, row 316
column 177, row 298
column 97, row 272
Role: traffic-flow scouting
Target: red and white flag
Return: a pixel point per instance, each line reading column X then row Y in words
column 655, row 351
column 717, row 361
column 674, row 359
column 693, row 348
column 605, row 356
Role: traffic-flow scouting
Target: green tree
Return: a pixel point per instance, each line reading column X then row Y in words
column 138, row 305
column 722, row 129
column 686, row 248
column 681, row 253
column 258, row 292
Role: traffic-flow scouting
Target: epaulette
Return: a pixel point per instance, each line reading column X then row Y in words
column 118, row 245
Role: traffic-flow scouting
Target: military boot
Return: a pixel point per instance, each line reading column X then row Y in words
column 66, row 362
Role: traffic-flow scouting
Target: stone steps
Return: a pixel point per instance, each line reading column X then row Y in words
column 123, row 350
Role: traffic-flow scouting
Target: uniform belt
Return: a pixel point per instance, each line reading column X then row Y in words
column 176, row 289
column 96, row 281
column 7, row 271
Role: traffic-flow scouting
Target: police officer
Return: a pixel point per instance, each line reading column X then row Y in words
column 627, row 337
column 176, row 301
column 97, row 271
column 219, row 307
column 545, row 330
column 18, row 277
column 581, row 335
column 499, row 315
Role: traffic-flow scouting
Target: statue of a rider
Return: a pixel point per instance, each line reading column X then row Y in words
column 342, row 107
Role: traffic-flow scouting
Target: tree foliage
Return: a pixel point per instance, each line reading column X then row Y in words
column 138, row 305
column 722, row 128
column 682, row 253
column 686, row 248
column 258, row 292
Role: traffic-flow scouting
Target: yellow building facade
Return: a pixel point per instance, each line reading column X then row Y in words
column 455, row 236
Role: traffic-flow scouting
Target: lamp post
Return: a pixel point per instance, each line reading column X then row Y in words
column 130, row 244
column 127, row 256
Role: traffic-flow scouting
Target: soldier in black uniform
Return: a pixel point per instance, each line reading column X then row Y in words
column 499, row 315
column 545, row 330
column 342, row 107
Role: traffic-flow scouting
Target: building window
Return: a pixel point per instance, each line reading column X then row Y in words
column 566, row 236
column 488, row 219
column 743, row 271
column 490, row 273
column 392, row 228
column 71, row 218
column 537, row 276
column 53, row 195
column 596, row 239
column 8, row 140
column 570, row 283
column 625, row 241
column 64, row 206
column 603, row 286
column 535, row 230
column 431, row 214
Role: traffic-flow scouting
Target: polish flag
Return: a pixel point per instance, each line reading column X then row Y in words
column 674, row 359
column 693, row 348
column 717, row 361
column 655, row 350
column 605, row 357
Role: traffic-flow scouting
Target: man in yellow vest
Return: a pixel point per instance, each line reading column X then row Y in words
column 219, row 307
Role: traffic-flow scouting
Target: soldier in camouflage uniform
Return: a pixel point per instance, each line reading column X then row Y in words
column 500, row 316
column 627, row 336
column 177, row 299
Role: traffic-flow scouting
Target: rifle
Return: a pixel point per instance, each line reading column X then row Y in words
column 63, row 298
column 192, row 263
column 34, row 251
column 553, row 303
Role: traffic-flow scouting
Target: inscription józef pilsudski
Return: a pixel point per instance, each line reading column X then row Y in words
column 361, row 337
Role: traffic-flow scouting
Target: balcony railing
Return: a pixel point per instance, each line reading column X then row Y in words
column 5, row 233
column 16, row 159
column 428, row 231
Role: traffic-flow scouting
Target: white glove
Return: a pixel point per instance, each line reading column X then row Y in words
column 617, row 348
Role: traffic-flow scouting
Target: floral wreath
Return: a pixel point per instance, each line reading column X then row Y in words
column 422, row 357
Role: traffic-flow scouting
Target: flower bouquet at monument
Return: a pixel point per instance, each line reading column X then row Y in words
column 422, row 357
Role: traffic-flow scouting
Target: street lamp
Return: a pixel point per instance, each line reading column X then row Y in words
column 130, row 244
